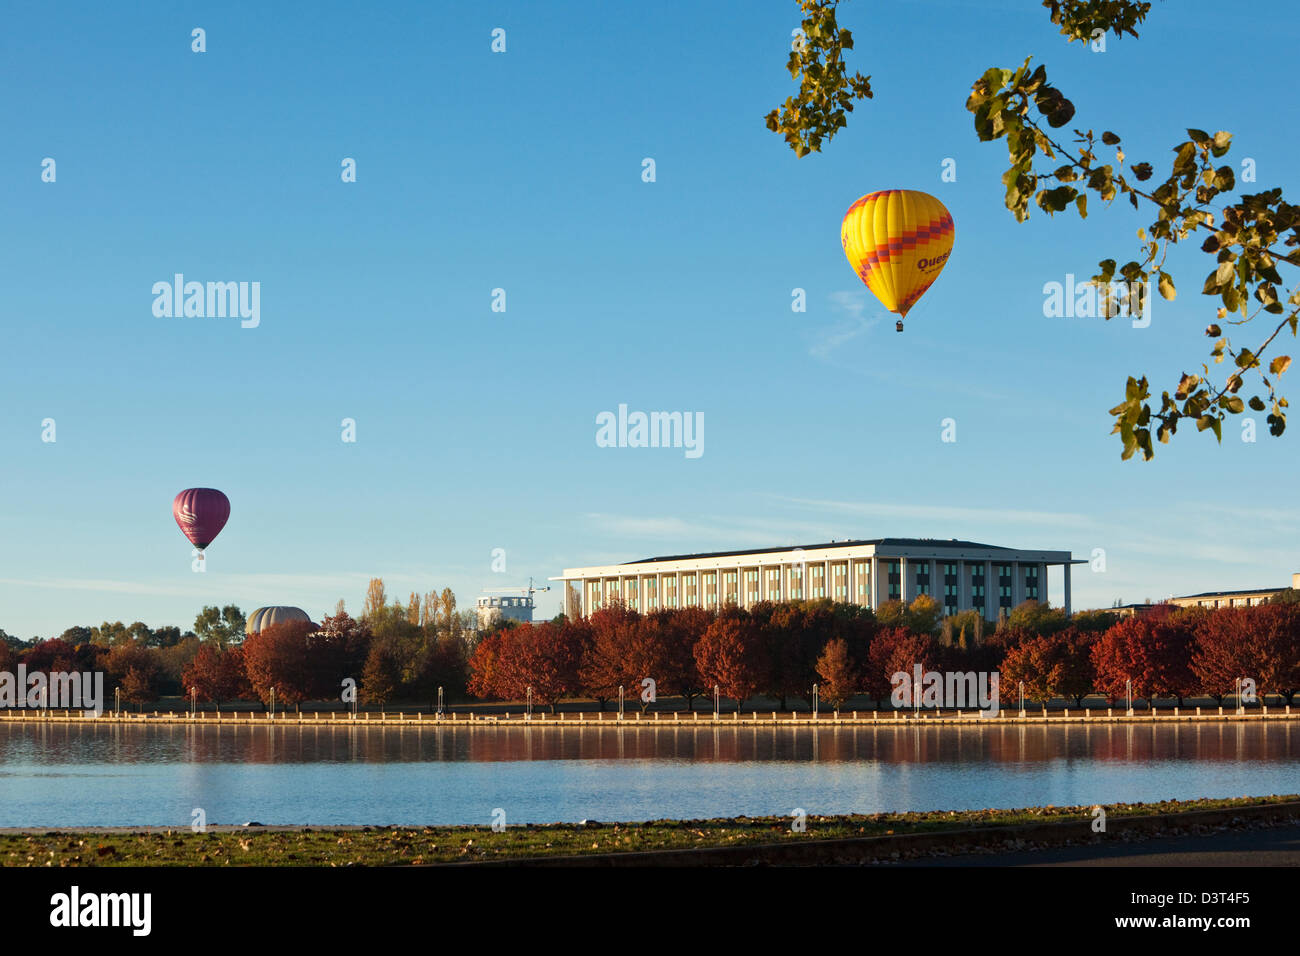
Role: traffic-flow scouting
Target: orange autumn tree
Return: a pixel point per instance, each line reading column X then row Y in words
column 838, row 673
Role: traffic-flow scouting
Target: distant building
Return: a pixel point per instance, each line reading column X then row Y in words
column 1246, row 598
column 960, row 575
column 493, row 610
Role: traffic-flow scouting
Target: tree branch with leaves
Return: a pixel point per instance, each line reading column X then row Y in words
column 1252, row 237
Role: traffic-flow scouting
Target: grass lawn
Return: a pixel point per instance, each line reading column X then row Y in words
column 413, row 846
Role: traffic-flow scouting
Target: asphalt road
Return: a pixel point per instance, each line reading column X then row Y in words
column 1275, row 846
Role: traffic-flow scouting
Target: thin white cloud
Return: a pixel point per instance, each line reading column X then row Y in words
column 943, row 512
column 710, row 532
column 101, row 584
column 281, row 586
column 853, row 305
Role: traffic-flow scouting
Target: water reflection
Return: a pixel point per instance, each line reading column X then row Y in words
column 49, row 745
column 130, row 774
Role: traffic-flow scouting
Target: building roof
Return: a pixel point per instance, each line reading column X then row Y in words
column 1210, row 594
column 879, row 542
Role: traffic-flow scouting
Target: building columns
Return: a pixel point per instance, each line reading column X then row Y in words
column 989, row 590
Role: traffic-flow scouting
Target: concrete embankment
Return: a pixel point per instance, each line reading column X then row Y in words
column 654, row 719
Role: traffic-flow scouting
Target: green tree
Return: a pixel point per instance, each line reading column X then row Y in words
column 1038, row 617
column 221, row 627
column 110, row 635
column 1253, row 236
column 77, row 635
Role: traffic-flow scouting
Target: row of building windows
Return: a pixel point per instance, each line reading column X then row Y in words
column 814, row 576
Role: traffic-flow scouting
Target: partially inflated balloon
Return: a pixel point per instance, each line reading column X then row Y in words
column 201, row 513
column 897, row 241
column 265, row 617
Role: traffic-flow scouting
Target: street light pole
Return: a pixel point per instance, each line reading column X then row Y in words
column 715, row 701
column 620, row 701
column 814, row 701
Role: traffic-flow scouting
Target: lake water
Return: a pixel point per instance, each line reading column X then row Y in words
column 87, row 775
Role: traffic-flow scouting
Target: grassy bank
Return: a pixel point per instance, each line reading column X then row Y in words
column 404, row 846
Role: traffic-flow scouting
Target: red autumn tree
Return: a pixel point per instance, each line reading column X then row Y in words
column 731, row 655
column 51, row 655
column 217, row 675
column 1153, row 651
column 682, row 629
column 894, row 650
column 793, row 634
column 631, row 650
column 614, row 652
column 606, row 632
column 544, row 657
column 1277, row 629
column 136, row 671
column 279, row 657
column 1224, row 650
column 339, row 649
column 1051, row 665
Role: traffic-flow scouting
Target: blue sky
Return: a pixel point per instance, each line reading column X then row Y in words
column 522, row 171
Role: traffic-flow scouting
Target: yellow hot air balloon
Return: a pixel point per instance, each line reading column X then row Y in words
column 897, row 241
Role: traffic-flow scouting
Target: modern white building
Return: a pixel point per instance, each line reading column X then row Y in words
column 1243, row 598
column 492, row 610
column 960, row 575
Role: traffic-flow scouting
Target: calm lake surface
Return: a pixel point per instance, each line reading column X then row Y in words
column 86, row 775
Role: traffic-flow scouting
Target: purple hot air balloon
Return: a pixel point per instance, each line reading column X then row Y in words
column 201, row 513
